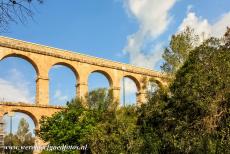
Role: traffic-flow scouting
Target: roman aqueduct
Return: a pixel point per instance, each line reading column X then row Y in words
column 43, row 58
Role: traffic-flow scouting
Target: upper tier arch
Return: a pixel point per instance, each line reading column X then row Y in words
column 135, row 80
column 43, row 58
column 68, row 65
column 106, row 74
column 24, row 57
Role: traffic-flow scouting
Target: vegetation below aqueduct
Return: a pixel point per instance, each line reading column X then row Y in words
column 192, row 115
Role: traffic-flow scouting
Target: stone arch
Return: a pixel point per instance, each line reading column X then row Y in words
column 76, row 74
column 106, row 74
column 135, row 80
column 26, row 58
column 157, row 81
column 32, row 63
column 73, row 71
column 35, row 120
column 127, row 96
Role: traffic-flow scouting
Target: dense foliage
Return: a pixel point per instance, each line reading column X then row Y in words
column 192, row 115
column 100, row 127
column 201, row 94
column 178, row 50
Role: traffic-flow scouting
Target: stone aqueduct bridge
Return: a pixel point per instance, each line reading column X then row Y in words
column 43, row 58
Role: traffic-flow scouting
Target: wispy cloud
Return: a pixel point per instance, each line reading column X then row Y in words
column 153, row 19
column 59, row 96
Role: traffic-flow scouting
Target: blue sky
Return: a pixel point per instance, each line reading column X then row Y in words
column 129, row 31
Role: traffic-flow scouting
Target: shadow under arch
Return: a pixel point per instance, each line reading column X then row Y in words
column 28, row 113
column 26, row 58
column 106, row 74
column 137, row 83
column 76, row 74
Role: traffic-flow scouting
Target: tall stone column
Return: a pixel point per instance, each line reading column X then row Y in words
column 116, row 94
column 38, row 142
column 82, row 91
column 141, row 97
column 42, row 92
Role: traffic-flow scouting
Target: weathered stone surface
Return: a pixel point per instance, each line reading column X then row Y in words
column 43, row 58
column 35, row 112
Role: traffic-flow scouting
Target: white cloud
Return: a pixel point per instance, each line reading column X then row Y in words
column 147, row 60
column 58, row 96
column 130, row 91
column 11, row 92
column 130, row 86
column 203, row 27
column 153, row 18
column 219, row 28
column 15, row 89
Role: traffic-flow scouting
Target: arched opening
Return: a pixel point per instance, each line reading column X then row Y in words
column 98, row 85
column 24, row 58
column 153, row 85
column 129, row 88
column 17, row 79
column 62, row 84
column 19, row 129
column 99, row 79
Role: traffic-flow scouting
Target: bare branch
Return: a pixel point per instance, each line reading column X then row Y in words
column 16, row 11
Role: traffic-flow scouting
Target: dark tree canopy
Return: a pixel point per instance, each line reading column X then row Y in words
column 201, row 96
column 192, row 115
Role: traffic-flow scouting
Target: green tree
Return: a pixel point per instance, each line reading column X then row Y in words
column 68, row 126
column 178, row 51
column 102, row 128
column 100, row 99
column 226, row 38
column 201, row 97
column 116, row 132
column 23, row 137
column 23, row 134
column 151, row 122
column 193, row 115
